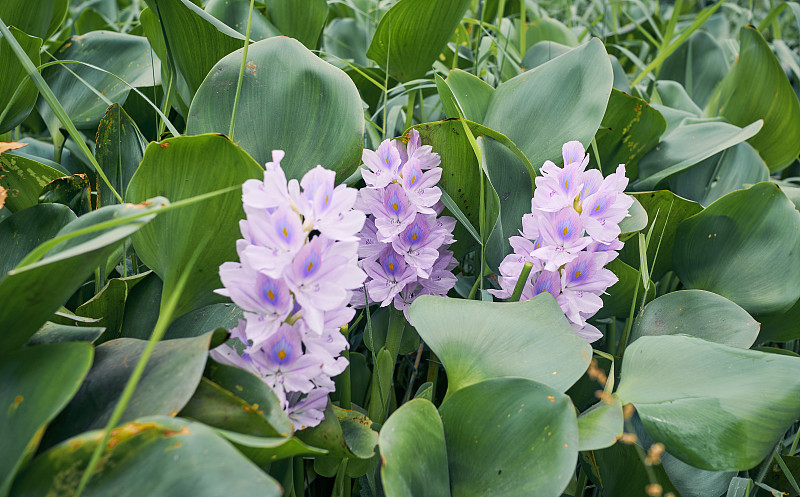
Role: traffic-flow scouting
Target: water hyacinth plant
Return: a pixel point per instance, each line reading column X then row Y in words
column 400, row 248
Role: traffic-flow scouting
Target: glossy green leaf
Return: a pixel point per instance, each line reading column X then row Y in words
column 527, row 443
column 212, row 162
column 263, row 451
column 301, row 19
column 189, row 459
column 35, row 384
column 169, row 380
column 40, row 18
column 22, row 231
column 478, row 341
column 743, row 99
column 635, row 222
column 570, row 93
column 32, row 293
column 413, row 452
column 343, row 433
column 732, row 169
column 541, row 52
column 312, row 111
column 205, row 319
column 665, row 212
column 744, row 247
column 630, row 128
column 24, row 178
column 548, row 29
column 234, row 13
column 600, row 426
column 73, row 191
column 225, row 386
column 58, row 333
column 674, row 95
column 120, row 147
column 471, row 93
column 128, row 57
column 196, row 40
column 412, row 34
column 700, row 314
column 713, row 406
column 699, row 64
column 690, row 143
column 346, row 39
column 216, row 406
column 12, row 74
column 109, row 304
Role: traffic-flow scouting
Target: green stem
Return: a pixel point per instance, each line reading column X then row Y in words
column 626, row 333
column 523, row 278
column 793, row 450
column 241, row 70
column 158, row 333
column 397, row 324
column 522, row 25
column 412, row 96
column 345, row 389
column 298, row 471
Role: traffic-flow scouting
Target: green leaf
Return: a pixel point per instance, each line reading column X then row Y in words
column 225, row 386
column 28, row 16
column 413, row 452
column 170, row 378
column 196, row 41
column 630, row 128
column 312, row 112
column 109, row 304
column 635, row 222
column 742, row 99
column 35, row 383
column 471, row 93
column 412, row 34
column 690, row 143
column 600, row 426
column 527, row 443
column 541, row 52
column 744, row 247
column 120, row 147
column 73, row 191
column 713, row 406
column 263, row 451
column 24, row 178
column 22, row 231
column 478, row 341
column 212, row 162
column 128, row 57
column 234, row 13
column 732, row 169
column 547, row 29
column 699, row 64
column 674, row 95
column 346, row 39
column 665, row 212
column 699, row 314
column 205, row 319
column 12, row 74
column 58, row 333
column 190, row 459
column 343, row 433
column 305, row 27
column 570, row 93
column 32, row 293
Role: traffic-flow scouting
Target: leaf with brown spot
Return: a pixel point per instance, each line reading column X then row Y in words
column 7, row 146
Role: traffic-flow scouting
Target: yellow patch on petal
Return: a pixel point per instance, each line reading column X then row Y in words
column 281, row 354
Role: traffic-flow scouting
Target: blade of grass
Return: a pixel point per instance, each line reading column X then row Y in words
column 665, row 52
column 36, row 254
column 164, row 320
column 451, row 205
column 54, row 104
column 241, row 71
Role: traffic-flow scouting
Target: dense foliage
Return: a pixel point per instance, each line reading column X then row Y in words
column 399, row 247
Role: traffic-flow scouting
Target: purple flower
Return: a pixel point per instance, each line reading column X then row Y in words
column 392, row 209
column 420, row 186
column 419, row 244
column 384, row 165
column 388, row 276
column 570, row 234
